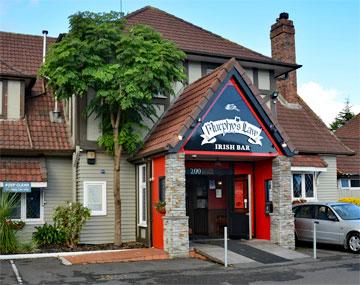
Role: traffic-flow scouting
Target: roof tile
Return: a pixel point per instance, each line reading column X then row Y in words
column 23, row 169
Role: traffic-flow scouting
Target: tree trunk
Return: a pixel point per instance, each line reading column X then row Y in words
column 117, row 198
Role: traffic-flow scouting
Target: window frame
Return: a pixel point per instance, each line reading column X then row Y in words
column 141, row 185
column 103, row 211
column 34, row 221
column 349, row 184
column 303, row 186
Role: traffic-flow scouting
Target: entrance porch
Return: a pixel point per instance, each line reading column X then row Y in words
column 251, row 198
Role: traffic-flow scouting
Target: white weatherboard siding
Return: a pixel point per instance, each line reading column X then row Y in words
column 58, row 191
column 13, row 99
column 327, row 181
column 346, row 193
column 100, row 229
column 194, row 71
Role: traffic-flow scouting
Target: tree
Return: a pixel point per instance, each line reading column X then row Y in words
column 344, row 115
column 126, row 66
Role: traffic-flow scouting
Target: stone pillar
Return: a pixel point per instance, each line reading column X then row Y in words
column 282, row 218
column 176, row 223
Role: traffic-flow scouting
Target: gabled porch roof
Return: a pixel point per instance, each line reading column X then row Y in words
column 171, row 130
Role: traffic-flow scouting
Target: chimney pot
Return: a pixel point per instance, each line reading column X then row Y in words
column 284, row 15
column 45, row 32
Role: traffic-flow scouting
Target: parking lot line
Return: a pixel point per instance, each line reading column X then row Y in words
column 16, row 272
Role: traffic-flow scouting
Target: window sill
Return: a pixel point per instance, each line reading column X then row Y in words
column 98, row 214
column 142, row 225
column 30, row 222
column 350, row 188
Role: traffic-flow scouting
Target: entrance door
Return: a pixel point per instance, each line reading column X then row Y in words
column 197, row 204
column 239, row 208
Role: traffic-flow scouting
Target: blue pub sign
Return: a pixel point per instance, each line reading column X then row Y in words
column 17, row 187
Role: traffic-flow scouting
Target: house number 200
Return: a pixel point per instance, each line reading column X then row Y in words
column 195, row 171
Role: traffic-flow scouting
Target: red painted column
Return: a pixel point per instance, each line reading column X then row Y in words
column 263, row 172
column 157, row 218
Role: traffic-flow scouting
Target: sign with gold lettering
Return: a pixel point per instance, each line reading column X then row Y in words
column 230, row 125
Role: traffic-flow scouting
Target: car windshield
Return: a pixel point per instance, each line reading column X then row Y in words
column 347, row 211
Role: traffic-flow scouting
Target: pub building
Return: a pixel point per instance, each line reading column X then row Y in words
column 235, row 146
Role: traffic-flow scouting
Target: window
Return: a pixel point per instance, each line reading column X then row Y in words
column 142, row 195
column 353, row 183
column 303, row 186
column 29, row 206
column 95, row 197
column 162, row 189
column 305, row 212
column 325, row 213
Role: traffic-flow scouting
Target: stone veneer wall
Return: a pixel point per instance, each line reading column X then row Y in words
column 176, row 223
column 282, row 218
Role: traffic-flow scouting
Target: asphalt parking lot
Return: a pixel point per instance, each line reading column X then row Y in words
column 334, row 266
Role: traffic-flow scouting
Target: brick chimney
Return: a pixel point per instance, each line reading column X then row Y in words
column 282, row 37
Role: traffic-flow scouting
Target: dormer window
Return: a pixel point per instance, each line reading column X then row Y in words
column 12, row 99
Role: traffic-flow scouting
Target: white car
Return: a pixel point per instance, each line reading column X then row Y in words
column 338, row 223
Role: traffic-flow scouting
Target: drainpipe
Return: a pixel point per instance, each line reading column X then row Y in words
column 55, row 116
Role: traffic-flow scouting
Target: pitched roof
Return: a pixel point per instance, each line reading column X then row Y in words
column 23, row 169
column 301, row 128
column 36, row 131
column 192, row 38
column 22, row 56
column 349, row 134
column 351, row 129
column 186, row 108
column 307, row 131
column 308, row 161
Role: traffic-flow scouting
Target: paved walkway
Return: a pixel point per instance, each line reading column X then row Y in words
column 120, row 256
column 250, row 252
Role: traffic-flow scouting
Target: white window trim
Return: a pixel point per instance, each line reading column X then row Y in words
column 23, row 218
column 347, row 188
column 103, row 197
column 303, row 190
column 141, row 168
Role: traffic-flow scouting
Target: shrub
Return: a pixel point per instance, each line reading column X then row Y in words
column 70, row 218
column 351, row 200
column 8, row 240
column 49, row 235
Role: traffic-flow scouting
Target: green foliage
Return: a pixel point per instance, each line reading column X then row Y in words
column 28, row 247
column 125, row 66
column 70, row 219
column 160, row 206
column 46, row 235
column 8, row 240
column 344, row 115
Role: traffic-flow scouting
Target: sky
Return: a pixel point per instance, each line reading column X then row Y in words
column 327, row 35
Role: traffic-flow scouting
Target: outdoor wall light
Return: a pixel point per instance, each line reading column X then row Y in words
column 284, row 144
column 91, row 156
column 274, row 95
column 180, row 137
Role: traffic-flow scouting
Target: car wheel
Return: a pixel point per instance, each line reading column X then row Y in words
column 354, row 242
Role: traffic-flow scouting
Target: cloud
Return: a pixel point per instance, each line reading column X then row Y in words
column 326, row 103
